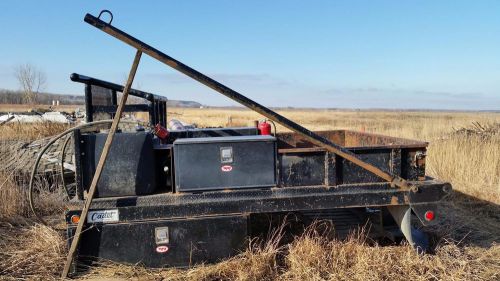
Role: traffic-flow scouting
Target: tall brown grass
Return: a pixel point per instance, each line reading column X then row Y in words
column 29, row 132
column 30, row 251
column 471, row 164
column 13, row 198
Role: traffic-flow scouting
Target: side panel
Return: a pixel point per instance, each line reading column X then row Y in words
column 163, row 243
column 129, row 168
column 352, row 173
column 302, row 169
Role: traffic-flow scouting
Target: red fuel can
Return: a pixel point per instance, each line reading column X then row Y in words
column 264, row 128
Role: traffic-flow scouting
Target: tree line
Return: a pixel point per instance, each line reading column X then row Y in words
column 18, row 97
column 32, row 81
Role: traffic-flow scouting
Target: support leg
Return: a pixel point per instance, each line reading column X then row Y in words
column 415, row 237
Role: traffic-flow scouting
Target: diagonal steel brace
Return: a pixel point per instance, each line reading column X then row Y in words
column 232, row 94
column 100, row 165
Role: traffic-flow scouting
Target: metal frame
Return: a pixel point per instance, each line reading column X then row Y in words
column 157, row 107
column 302, row 198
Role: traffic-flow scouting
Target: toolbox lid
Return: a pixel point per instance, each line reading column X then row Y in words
column 257, row 138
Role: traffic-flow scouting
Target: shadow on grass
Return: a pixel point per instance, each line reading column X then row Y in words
column 469, row 220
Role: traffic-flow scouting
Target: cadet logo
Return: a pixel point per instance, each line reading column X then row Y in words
column 103, row 216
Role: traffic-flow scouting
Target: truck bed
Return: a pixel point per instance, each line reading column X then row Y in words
column 311, row 183
column 307, row 176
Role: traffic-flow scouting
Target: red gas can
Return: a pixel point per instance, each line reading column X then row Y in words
column 161, row 132
column 264, row 128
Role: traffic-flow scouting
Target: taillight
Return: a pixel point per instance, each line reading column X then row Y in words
column 75, row 219
column 429, row 215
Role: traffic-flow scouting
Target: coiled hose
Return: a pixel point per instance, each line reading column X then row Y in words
column 63, row 154
column 52, row 141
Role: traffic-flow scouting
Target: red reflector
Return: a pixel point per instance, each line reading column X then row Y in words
column 75, row 219
column 429, row 215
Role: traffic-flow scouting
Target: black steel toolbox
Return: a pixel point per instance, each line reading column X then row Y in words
column 224, row 163
column 126, row 173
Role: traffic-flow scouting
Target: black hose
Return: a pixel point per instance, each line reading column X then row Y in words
column 52, row 141
column 63, row 152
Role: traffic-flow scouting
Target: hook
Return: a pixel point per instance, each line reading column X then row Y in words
column 108, row 12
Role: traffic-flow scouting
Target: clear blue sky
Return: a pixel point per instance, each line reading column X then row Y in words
column 355, row 54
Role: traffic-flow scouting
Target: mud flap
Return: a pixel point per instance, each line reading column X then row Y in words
column 416, row 238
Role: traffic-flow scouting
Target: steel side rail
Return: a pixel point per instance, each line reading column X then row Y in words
column 226, row 91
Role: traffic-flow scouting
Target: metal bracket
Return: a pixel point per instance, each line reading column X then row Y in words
column 421, row 209
column 415, row 237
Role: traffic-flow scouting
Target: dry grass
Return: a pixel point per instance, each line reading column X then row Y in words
column 471, row 164
column 33, row 252
column 13, row 198
column 415, row 125
column 311, row 257
column 467, row 246
column 29, row 132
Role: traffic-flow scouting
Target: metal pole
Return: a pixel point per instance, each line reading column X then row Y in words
column 230, row 93
column 89, row 113
column 100, row 165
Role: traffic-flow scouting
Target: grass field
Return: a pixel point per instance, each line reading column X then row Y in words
column 13, row 108
column 464, row 150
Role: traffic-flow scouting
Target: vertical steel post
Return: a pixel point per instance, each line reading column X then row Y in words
column 114, row 101
column 89, row 112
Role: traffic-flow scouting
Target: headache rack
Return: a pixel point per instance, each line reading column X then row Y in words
column 101, row 101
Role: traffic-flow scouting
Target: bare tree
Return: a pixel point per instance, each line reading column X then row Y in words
column 32, row 81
